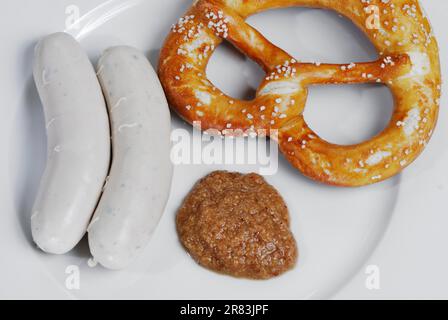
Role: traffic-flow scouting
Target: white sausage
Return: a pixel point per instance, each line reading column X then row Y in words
column 78, row 152
column 139, row 182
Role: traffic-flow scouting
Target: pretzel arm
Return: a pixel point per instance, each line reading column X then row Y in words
column 232, row 27
column 379, row 71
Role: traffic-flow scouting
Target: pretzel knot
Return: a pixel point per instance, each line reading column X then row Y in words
column 408, row 65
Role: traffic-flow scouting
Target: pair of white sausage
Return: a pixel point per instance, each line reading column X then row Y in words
column 133, row 198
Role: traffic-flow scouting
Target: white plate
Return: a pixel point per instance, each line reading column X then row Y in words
column 337, row 229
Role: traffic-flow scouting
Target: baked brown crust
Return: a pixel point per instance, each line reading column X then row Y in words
column 237, row 225
column 408, row 65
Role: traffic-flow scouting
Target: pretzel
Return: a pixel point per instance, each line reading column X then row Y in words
column 408, row 65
